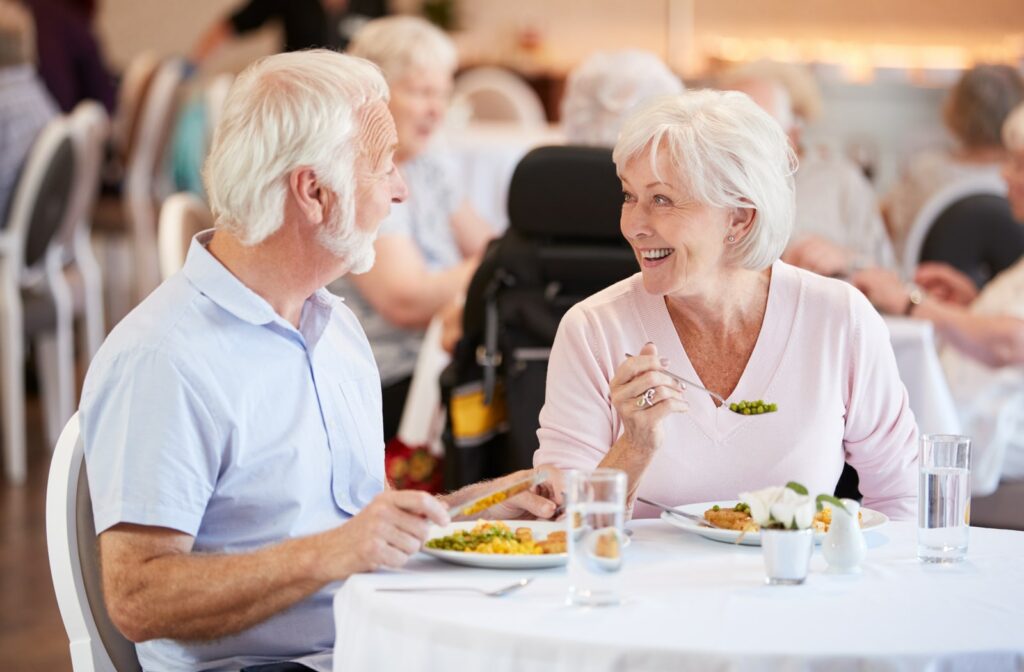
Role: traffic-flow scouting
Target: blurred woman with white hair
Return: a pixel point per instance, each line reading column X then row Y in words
column 708, row 207
column 984, row 333
column 605, row 88
column 429, row 246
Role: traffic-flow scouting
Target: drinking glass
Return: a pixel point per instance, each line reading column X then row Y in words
column 943, row 497
column 787, row 555
column 595, row 505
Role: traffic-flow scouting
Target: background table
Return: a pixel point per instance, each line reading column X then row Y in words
column 695, row 604
column 917, row 358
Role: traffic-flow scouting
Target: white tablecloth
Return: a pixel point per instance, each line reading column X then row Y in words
column 484, row 156
column 913, row 341
column 695, row 604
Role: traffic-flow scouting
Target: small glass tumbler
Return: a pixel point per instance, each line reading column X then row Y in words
column 595, row 506
column 943, row 497
column 787, row 555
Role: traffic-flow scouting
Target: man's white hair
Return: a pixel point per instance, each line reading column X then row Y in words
column 603, row 89
column 727, row 152
column 1013, row 129
column 399, row 44
column 284, row 112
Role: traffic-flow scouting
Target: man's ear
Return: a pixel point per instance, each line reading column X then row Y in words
column 741, row 222
column 309, row 194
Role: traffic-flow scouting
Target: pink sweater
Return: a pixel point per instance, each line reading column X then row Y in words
column 823, row 355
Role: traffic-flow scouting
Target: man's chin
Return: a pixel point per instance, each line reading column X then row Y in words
column 363, row 264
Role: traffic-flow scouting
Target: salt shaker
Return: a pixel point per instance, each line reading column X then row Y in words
column 844, row 547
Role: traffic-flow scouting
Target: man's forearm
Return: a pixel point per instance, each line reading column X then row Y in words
column 996, row 340
column 191, row 596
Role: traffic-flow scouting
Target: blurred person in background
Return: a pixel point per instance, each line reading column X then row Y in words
column 306, row 23
column 974, row 114
column 838, row 225
column 602, row 90
column 984, row 335
column 25, row 105
column 71, row 61
column 430, row 245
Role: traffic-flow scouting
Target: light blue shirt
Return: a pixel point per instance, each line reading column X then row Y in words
column 206, row 412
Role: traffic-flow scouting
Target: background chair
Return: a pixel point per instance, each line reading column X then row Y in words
column 35, row 301
column 91, row 128
column 562, row 245
column 181, row 218
column 96, row 644
column 216, row 94
column 496, row 94
column 939, row 203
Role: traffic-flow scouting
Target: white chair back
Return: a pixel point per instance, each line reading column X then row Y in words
column 134, row 85
column 933, row 209
column 141, row 173
column 96, row 644
column 496, row 94
column 182, row 216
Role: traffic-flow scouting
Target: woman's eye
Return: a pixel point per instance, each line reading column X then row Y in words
column 627, row 197
column 661, row 200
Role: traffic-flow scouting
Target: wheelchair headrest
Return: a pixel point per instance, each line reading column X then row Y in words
column 566, row 193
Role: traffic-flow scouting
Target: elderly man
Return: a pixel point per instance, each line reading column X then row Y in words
column 232, row 421
column 838, row 226
column 25, row 106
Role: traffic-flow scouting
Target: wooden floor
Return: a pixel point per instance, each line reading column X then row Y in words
column 32, row 635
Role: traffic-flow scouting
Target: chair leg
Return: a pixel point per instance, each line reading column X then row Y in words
column 47, row 367
column 63, row 354
column 12, row 376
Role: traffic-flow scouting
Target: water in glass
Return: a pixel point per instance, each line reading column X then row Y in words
column 943, row 514
column 596, row 539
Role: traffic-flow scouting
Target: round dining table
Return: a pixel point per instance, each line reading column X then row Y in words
column 690, row 603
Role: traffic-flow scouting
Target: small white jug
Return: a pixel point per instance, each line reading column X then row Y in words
column 844, row 547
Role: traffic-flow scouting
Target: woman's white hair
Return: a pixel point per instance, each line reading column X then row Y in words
column 728, row 153
column 1013, row 129
column 603, row 89
column 284, row 112
column 399, row 44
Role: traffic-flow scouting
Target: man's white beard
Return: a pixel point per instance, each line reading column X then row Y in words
column 354, row 246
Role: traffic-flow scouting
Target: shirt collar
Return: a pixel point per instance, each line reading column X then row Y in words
column 218, row 284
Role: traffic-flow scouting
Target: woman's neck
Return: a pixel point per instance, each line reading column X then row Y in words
column 728, row 303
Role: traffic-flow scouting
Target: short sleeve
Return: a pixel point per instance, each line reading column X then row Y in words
column 254, row 14
column 150, row 443
column 881, row 433
column 577, row 426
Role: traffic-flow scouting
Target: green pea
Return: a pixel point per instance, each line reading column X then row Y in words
column 716, row 508
column 746, row 411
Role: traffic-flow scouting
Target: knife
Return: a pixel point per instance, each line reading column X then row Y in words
column 700, row 520
column 489, row 499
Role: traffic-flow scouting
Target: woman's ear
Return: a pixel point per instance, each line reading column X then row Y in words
column 740, row 224
column 309, row 194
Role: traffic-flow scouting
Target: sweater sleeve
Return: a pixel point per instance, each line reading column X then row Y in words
column 577, row 425
column 880, row 437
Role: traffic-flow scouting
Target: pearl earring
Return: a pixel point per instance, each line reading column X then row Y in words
column 732, row 239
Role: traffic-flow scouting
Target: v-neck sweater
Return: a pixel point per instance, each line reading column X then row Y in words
column 823, row 356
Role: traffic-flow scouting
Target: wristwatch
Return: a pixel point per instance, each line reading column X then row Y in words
column 914, row 298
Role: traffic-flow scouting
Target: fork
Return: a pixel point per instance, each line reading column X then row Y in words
column 499, row 592
column 692, row 384
column 700, row 520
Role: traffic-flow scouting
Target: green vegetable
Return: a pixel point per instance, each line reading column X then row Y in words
column 758, row 407
column 716, row 508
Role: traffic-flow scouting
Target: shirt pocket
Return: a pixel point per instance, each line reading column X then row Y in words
column 357, row 443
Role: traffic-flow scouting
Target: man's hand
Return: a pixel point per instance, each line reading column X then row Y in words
column 386, row 533
column 945, row 283
column 541, row 502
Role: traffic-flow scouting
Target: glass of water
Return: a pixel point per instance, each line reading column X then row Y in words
column 943, row 497
column 595, row 505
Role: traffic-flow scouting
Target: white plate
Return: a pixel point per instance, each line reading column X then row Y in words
column 870, row 520
column 540, row 529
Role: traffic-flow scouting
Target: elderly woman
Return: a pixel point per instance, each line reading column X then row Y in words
column 984, row 332
column 605, row 88
column 974, row 113
column 428, row 248
column 708, row 208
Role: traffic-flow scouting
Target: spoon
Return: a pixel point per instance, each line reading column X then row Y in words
column 499, row 592
column 691, row 384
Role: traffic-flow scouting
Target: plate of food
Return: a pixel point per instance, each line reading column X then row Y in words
column 500, row 544
column 739, row 528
